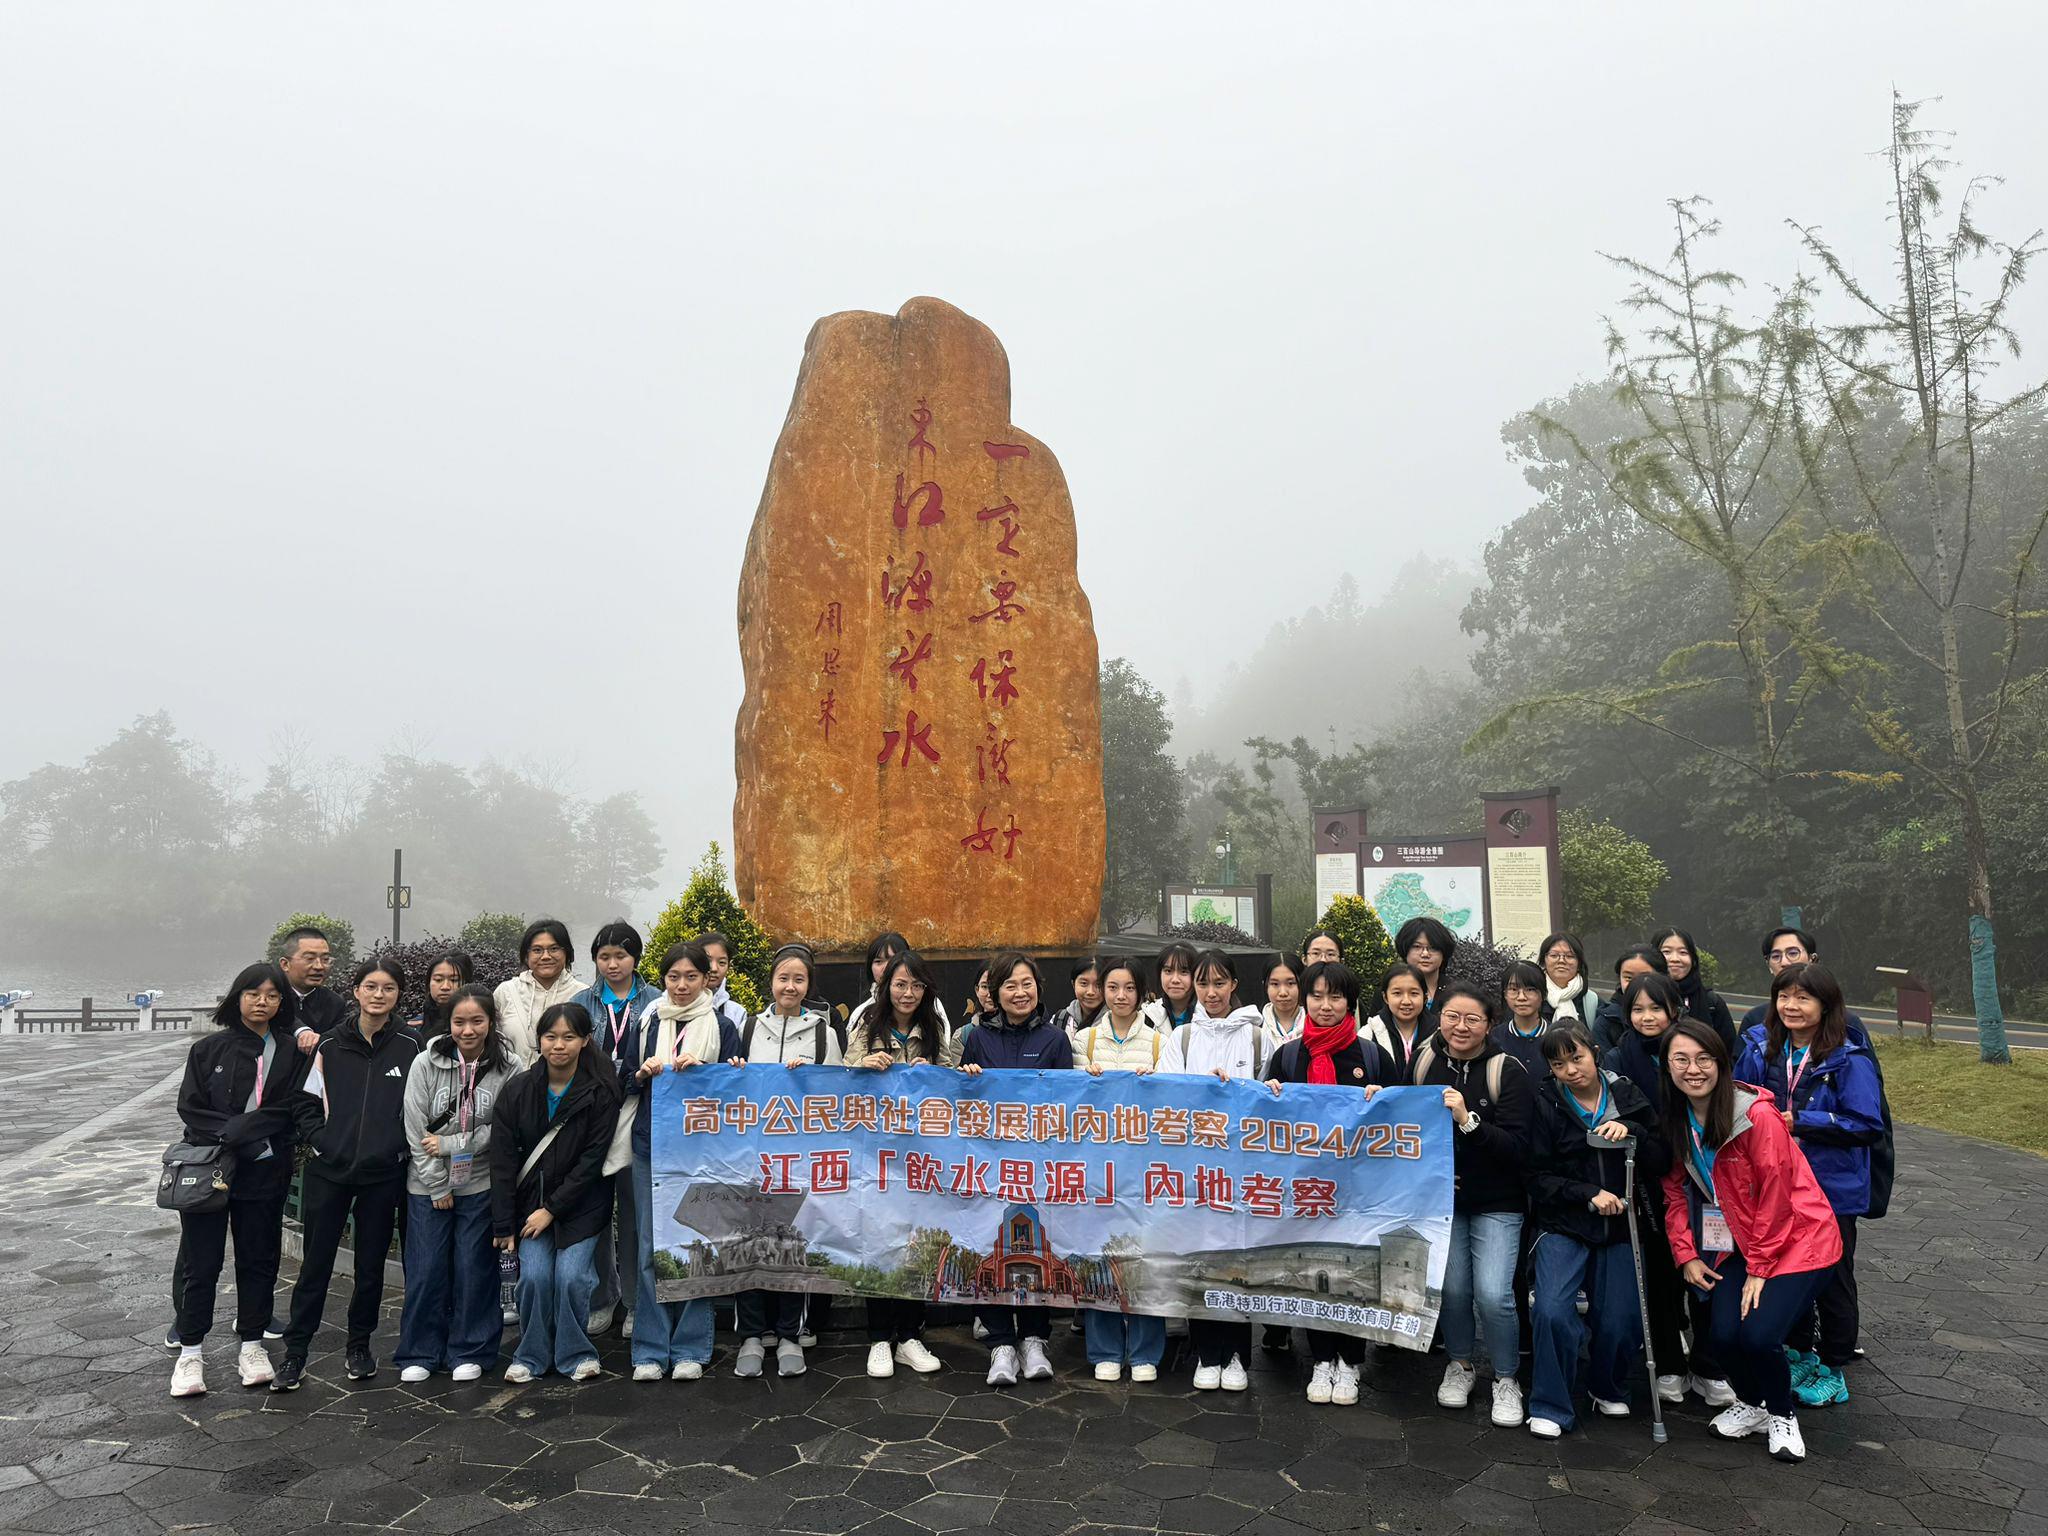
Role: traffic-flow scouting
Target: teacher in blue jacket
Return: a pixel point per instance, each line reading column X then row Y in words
column 1827, row 1082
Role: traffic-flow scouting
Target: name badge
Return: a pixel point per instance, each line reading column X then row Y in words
column 459, row 1164
column 1714, row 1235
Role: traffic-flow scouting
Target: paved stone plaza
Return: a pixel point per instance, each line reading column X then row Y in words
column 1947, row 1430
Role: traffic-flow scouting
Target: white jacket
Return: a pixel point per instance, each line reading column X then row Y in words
column 1275, row 1035
column 1235, row 1045
column 521, row 1001
column 1098, row 1046
column 791, row 1041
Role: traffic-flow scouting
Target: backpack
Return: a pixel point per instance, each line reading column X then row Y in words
column 1425, row 1058
column 1884, row 1157
column 817, row 1038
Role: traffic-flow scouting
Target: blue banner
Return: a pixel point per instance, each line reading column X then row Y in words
column 1172, row 1196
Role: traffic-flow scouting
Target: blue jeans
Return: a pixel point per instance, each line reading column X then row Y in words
column 554, row 1304
column 1124, row 1337
column 665, row 1333
column 1562, row 1266
column 1481, row 1276
column 451, row 1314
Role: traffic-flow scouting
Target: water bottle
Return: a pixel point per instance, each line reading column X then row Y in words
column 508, row 1285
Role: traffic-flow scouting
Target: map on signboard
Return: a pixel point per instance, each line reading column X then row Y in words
column 1207, row 909
column 1450, row 894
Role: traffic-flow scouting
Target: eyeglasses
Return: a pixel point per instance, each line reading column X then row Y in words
column 1465, row 1018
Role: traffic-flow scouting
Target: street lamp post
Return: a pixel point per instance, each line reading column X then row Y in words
column 1224, row 852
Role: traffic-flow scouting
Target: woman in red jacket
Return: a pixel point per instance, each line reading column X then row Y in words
column 1749, row 1226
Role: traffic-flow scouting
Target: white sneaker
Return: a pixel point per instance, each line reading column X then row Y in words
column 510, row 1317
column 1613, row 1410
column 1002, row 1366
column 626, row 1328
column 1322, row 1383
column 414, row 1373
column 687, row 1370
column 1740, row 1422
column 789, row 1358
column 1672, row 1389
column 589, row 1370
column 911, row 1352
column 1208, row 1377
column 1787, row 1444
column 881, row 1362
column 1507, row 1401
column 1545, row 1429
column 807, row 1339
column 254, row 1364
column 1235, row 1377
column 647, row 1370
column 1455, row 1390
column 600, row 1321
column 1344, row 1391
column 979, row 1330
column 1036, row 1366
column 1109, row 1370
column 469, row 1372
column 518, row 1374
column 748, row 1361
column 188, row 1377
column 1712, row 1390
column 1144, row 1373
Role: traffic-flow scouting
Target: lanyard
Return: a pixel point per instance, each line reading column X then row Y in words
column 622, row 1019
column 1702, row 1157
column 467, row 1099
column 1804, row 1057
column 262, row 1072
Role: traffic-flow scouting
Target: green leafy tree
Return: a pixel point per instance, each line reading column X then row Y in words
column 708, row 904
column 1142, row 796
column 493, row 930
column 1368, row 951
column 341, row 940
column 1610, row 878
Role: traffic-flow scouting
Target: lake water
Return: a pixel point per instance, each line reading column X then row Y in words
column 112, row 985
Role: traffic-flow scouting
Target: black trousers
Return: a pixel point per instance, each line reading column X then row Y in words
column 1006, row 1325
column 1216, row 1341
column 258, row 1229
column 891, row 1319
column 1830, row 1328
column 759, row 1314
column 1325, row 1346
column 1674, row 1305
column 325, row 1210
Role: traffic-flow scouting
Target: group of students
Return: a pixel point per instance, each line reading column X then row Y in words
column 508, row 1123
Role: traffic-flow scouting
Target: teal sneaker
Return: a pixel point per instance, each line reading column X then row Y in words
column 1803, row 1365
column 1824, row 1386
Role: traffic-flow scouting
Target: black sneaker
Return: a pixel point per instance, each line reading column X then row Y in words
column 171, row 1339
column 273, row 1329
column 290, row 1375
column 361, row 1363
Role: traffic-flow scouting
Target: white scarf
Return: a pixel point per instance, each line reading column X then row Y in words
column 1563, row 999
column 670, row 1030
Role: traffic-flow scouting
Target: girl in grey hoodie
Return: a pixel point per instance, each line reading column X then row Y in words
column 452, row 1318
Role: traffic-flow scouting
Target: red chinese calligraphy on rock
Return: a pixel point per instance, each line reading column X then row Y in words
column 1004, row 591
column 829, row 618
column 913, row 737
column 983, row 838
column 992, row 758
column 1002, row 451
column 999, row 680
column 1012, row 521
column 914, row 592
column 921, row 418
column 915, row 648
column 927, row 500
column 828, row 712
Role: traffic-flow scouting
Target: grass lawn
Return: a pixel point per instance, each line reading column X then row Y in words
column 1947, row 1088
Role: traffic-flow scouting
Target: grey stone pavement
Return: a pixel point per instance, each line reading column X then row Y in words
column 1946, row 1430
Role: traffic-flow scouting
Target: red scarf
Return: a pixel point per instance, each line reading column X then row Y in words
column 1324, row 1044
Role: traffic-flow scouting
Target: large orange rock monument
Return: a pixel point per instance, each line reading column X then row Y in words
column 920, row 745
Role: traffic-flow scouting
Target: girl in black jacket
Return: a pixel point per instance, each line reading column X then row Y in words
column 354, row 1109
column 1331, row 1051
column 1576, row 1199
column 550, row 1200
column 1704, row 1004
column 240, row 1084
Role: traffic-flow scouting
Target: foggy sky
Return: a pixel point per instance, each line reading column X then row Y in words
column 413, row 370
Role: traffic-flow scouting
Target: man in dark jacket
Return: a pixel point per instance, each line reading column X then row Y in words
column 1577, row 1202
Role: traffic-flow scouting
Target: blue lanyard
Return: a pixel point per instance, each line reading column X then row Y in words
column 1701, row 1154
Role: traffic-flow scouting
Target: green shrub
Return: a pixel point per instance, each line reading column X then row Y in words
column 491, row 930
column 1367, row 949
column 707, row 903
column 341, row 939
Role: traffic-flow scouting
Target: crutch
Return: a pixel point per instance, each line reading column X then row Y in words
column 1635, row 1248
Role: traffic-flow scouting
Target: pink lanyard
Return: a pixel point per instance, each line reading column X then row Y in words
column 1791, row 1077
column 622, row 1019
column 467, row 1070
column 261, row 1061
